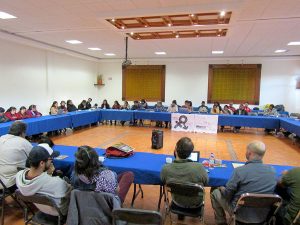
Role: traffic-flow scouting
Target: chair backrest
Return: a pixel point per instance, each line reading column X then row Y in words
column 39, row 199
column 257, row 208
column 297, row 219
column 136, row 216
column 186, row 189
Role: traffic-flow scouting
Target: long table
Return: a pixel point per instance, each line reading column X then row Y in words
column 81, row 118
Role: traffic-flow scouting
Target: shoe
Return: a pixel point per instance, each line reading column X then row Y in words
column 180, row 217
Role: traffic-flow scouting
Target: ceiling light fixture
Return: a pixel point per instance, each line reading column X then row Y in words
column 217, row 52
column 222, row 13
column 110, row 54
column 5, row 16
column 112, row 20
column 294, row 43
column 74, row 42
column 160, row 53
column 280, row 50
column 95, row 49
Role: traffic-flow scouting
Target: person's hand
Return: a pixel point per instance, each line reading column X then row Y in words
column 51, row 169
column 284, row 172
column 222, row 189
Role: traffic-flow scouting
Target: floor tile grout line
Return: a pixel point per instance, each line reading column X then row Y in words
column 113, row 139
column 231, row 150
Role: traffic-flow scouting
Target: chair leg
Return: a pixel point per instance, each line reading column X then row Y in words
column 2, row 208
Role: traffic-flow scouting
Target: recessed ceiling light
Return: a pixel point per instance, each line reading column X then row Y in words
column 222, row 13
column 110, row 54
column 160, row 53
column 113, row 20
column 74, row 42
column 294, row 43
column 217, row 52
column 5, row 16
column 280, row 50
column 95, row 49
column 131, row 33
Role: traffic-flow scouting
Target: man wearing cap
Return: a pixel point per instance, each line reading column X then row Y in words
column 14, row 150
column 35, row 180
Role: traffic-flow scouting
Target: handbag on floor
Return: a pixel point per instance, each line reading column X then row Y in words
column 119, row 150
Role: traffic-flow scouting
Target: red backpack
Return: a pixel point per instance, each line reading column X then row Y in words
column 119, row 150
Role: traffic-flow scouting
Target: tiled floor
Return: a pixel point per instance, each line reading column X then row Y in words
column 224, row 145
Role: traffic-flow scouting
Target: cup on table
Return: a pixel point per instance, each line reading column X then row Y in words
column 169, row 160
column 101, row 159
column 218, row 162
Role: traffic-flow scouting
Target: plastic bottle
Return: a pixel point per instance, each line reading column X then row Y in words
column 211, row 160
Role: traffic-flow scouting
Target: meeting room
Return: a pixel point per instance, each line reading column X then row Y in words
column 154, row 112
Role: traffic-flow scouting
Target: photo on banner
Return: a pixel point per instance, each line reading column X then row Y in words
column 183, row 122
column 206, row 124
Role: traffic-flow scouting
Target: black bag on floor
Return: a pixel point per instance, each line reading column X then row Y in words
column 157, row 139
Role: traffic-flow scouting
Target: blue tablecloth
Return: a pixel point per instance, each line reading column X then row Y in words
column 112, row 114
column 157, row 116
column 4, row 128
column 147, row 166
column 86, row 117
column 249, row 121
column 290, row 125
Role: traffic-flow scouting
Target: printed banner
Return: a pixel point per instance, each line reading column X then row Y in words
column 182, row 122
column 195, row 123
column 206, row 124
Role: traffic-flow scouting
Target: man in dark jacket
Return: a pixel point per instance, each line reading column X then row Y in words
column 3, row 118
column 239, row 111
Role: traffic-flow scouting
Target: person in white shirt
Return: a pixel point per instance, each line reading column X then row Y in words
column 35, row 180
column 14, row 150
column 173, row 108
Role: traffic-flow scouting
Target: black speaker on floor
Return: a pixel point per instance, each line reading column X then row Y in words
column 157, row 139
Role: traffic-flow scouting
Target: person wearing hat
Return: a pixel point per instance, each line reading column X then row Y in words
column 3, row 118
column 35, row 180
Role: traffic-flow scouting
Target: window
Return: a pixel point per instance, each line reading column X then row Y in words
column 234, row 83
column 144, row 82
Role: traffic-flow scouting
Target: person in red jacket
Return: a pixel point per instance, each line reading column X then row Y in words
column 22, row 113
column 246, row 107
column 11, row 113
column 32, row 112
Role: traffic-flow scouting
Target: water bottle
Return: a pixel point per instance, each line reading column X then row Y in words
column 211, row 160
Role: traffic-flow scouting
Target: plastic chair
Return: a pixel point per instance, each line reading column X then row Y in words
column 296, row 221
column 136, row 216
column 39, row 217
column 256, row 209
column 189, row 190
column 5, row 192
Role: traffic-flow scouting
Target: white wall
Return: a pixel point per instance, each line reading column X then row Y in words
column 33, row 76
column 188, row 78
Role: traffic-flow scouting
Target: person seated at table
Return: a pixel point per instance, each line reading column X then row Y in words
column 63, row 106
column 239, row 111
column 105, row 105
column 14, row 150
column 82, row 105
column 184, row 170
column 125, row 106
column 271, row 111
column 203, row 108
column 11, row 113
column 190, row 106
column 158, row 107
column 216, row 110
column 246, row 107
column 226, row 111
column 22, row 113
column 70, row 106
column 231, row 107
column 88, row 103
column 35, row 180
column 115, row 106
column 32, row 112
column 186, row 104
column 173, row 108
column 143, row 104
column 54, row 108
column 290, row 184
column 253, row 177
column 3, row 118
column 135, row 106
column 90, row 174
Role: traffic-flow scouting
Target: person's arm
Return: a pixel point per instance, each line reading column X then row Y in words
column 163, row 175
column 231, row 187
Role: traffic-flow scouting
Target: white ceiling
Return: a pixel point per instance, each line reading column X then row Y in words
column 256, row 28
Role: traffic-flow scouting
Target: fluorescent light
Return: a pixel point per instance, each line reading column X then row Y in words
column 217, row 52
column 160, row 53
column 222, row 13
column 95, row 49
column 74, row 42
column 294, row 43
column 280, row 50
column 110, row 54
column 5, row 16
